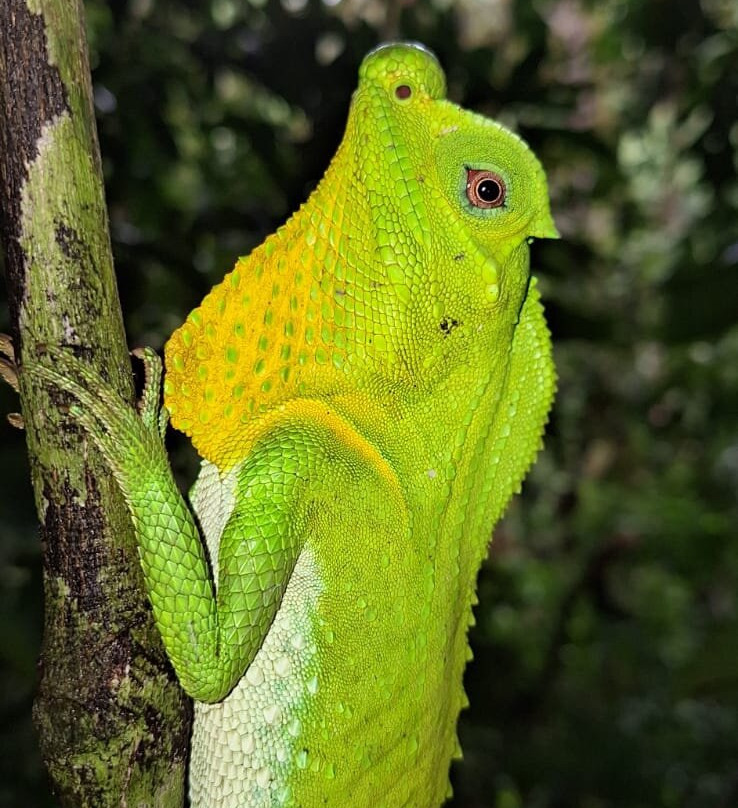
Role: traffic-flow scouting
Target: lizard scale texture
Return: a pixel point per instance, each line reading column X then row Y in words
column 367, row 390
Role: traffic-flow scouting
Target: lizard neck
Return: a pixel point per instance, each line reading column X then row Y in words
column 320, row 311
column 471, row 377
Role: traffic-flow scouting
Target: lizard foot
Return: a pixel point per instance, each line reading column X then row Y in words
column 126, row 437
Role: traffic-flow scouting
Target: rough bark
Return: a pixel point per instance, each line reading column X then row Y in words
column 113, row 724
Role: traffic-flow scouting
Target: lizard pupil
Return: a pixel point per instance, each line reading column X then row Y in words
column 485, row 189
column 403, row 91
column 489, row 191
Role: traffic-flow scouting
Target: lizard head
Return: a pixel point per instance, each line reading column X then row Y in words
column 454, row 197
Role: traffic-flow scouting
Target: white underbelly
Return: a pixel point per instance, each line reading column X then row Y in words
column 246, row 747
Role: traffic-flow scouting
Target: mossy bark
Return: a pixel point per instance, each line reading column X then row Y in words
column 113, row 723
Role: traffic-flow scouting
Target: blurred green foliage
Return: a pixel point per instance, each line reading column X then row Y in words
column 606, row 670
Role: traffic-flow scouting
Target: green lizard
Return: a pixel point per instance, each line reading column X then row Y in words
column 367, row 390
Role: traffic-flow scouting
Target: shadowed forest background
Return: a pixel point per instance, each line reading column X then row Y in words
column 606, row 645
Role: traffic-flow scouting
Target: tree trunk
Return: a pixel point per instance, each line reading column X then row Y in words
column 112, row 721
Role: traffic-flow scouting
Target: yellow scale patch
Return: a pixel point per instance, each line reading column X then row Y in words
column 271, row 330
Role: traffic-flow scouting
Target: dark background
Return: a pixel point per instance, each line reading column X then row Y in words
column 606, row 670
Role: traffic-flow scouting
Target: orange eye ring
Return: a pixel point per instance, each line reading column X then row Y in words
column 485, row 189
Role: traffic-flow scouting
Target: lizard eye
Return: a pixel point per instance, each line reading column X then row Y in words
column 403, row 92
column 485, row 189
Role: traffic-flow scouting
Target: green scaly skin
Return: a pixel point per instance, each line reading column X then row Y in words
column 367, row 390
